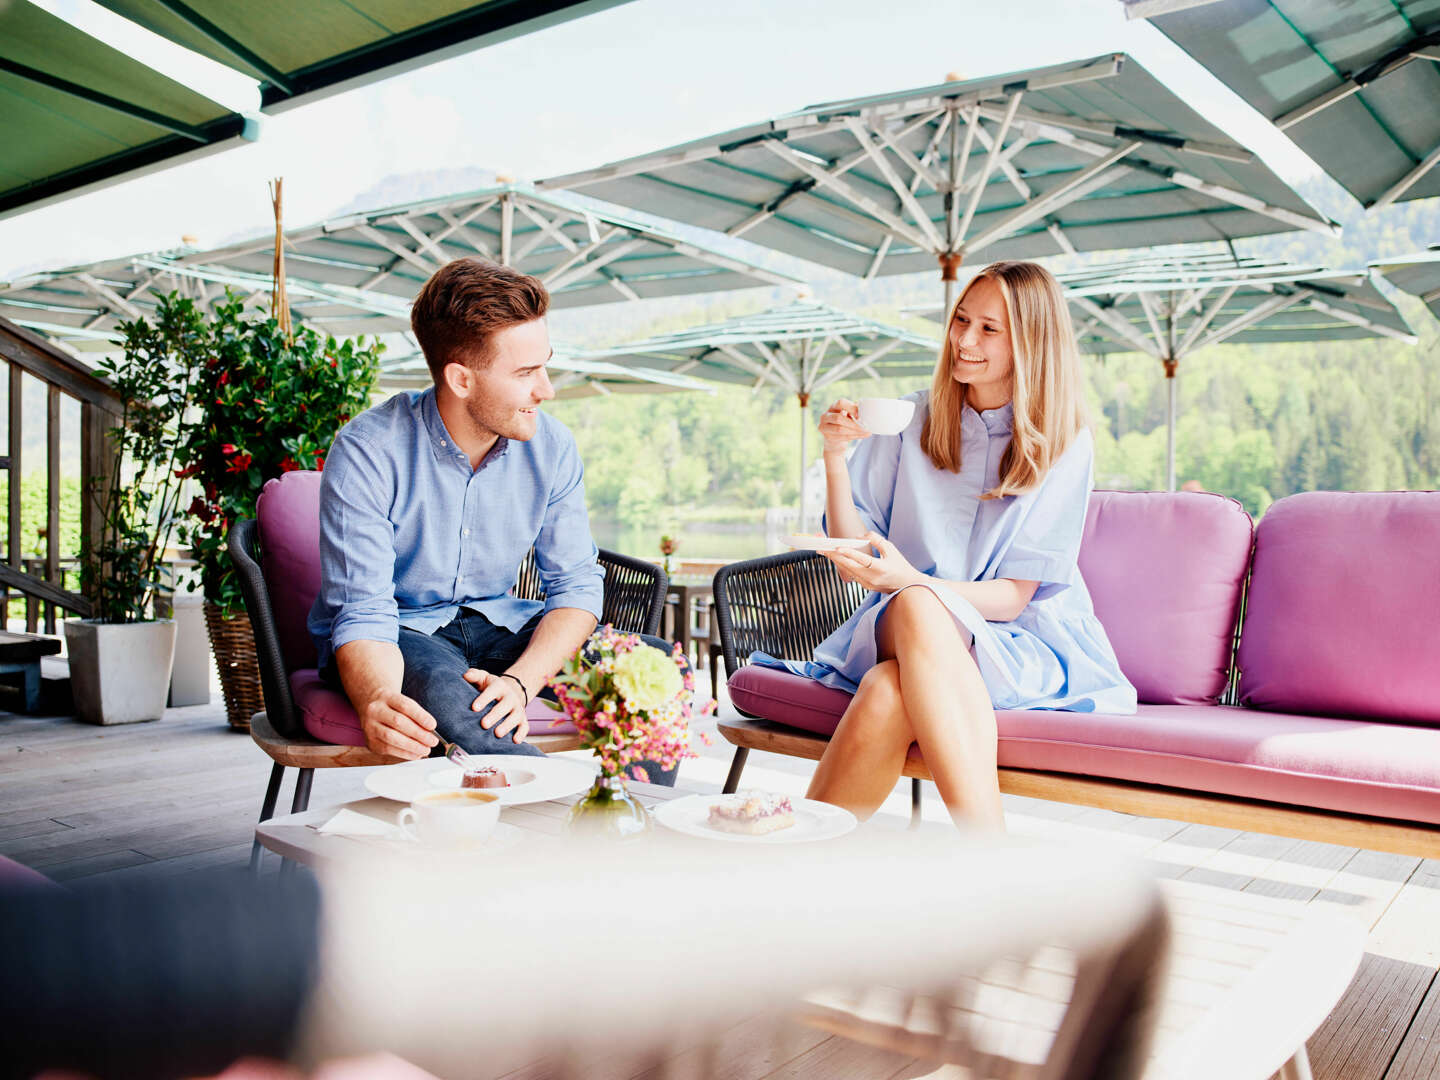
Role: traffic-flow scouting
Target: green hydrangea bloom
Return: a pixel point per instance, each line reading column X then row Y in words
column 646, row 678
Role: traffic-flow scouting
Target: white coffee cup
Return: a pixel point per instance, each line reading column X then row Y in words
column 885, row 416
column 450, row 819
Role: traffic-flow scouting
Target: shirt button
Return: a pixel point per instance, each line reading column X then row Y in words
column 444, row 443
column 465, row 532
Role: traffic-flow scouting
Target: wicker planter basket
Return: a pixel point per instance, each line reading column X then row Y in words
column 234, row 645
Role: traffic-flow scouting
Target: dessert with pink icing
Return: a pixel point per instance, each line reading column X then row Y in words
column 752, row 812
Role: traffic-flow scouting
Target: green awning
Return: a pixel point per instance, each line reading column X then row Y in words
column 76, row 113
column 1091, row 155
column 1418, row 274
column 1354, row 83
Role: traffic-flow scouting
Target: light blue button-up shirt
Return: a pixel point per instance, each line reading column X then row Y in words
column 409, row 534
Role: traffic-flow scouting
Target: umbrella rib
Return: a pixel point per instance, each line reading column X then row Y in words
column 1206, row 319
column 1256, row 314
column 1117, row 323
column 556, row 280
column 547, row 226
column 907, row 198
column 110, row 296
column 864, row 202
column 989, row 167
column 375, row 236
column 1361, row 320
column 1004, row 161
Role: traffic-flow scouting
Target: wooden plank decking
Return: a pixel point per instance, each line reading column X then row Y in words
column 182, row 794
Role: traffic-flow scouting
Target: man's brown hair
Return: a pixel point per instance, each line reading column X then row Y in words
column 464, row 303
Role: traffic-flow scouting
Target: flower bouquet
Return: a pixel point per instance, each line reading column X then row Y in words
column 630, row 703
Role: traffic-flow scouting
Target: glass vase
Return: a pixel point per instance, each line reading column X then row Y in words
column 609, row 811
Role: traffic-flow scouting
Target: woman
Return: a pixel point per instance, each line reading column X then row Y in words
column 974, row 515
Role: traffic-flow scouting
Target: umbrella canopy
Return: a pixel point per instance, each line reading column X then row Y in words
column 1354, row 83
column 79, row 113
column 1418, row 274
column 584, row 252
column 802, row 347
column 1084, row 156
column 1169, row 306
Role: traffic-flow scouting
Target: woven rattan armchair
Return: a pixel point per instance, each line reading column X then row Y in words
column 784, row 605
column 634, row 602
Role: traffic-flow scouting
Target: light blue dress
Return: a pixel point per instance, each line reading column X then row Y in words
column 1055, row 655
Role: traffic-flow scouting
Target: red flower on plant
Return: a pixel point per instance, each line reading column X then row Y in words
column 189, row 470
column 201, row 509
column 227, row 448
column 224, row 378
column 319, row 462
column 239, row 463
column 289, row 464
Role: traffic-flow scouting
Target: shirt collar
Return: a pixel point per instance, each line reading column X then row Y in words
column 997, row 421
column 442, row 443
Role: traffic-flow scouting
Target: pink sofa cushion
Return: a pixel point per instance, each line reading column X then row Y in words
column 1344, row 609
column 288, row 512
column 1165, row 571
column 1352, row 766
column 330, row 719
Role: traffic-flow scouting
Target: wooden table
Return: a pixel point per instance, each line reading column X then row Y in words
column 682, row 594
column 1248, row 978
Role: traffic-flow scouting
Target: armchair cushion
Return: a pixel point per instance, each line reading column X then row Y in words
column 288, row 512
column 330, row 719
column 1344, row 608
column 1165, row 572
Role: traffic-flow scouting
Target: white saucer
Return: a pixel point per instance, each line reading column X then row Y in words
column 805, row 542
column 535, row 779
column 813, row 821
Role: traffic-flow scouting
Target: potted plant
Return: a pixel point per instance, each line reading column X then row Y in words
column 273, row 403
column 120, row 657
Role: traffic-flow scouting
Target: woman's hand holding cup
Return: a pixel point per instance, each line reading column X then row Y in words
column 840, row 425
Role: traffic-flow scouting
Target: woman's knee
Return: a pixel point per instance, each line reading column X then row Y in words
column 878, row 705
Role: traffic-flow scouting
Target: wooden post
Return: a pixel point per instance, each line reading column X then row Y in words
column 52, row 498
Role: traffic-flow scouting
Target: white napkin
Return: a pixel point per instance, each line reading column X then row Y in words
column 350, row 823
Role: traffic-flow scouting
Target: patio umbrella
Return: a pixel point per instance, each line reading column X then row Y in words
column 1418, row 274
column 1091, row 155
column 1169, row 306
column 1354, row 83
column 584, row 252
column 79, row 113
column 802, row 348
column 1171, row 315
column 357, row 274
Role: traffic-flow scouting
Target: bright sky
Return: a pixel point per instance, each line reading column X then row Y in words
column 638, row 77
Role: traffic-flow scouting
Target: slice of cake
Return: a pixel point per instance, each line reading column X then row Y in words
column 484, row 777
column 752, row 813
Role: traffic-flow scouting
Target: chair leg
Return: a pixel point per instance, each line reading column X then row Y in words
column 737, row 766
column 715, row 656
column 301, row 802
column 267, row 810
column 915, row 796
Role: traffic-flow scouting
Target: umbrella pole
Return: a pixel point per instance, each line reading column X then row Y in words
column 948, row 265
column 804, row 415
column 1170, row 408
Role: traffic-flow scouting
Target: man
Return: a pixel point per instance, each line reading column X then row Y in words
column 428, row 504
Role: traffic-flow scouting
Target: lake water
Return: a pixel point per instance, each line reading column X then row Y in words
column 707, row 540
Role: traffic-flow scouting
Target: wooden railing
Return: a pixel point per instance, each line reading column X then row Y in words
column 40, row 580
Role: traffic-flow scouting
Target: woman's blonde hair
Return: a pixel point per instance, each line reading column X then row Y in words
column 1046, row 393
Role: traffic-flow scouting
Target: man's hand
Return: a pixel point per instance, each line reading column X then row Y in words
column 884, row 572
column 397, row 726
column 509, row 711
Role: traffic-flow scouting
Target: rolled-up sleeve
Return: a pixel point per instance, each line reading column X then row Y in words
column 565, row 552
column 357, row 545
column 1046, row 547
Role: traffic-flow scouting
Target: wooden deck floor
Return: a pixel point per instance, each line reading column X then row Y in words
column 182, row 794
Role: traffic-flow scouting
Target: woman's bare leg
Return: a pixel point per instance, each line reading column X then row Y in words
column 863, row 761
column 946, row 703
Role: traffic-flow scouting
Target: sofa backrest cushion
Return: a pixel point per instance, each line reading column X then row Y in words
column 1343, row 617
column 288, row 511
column 1165, row 571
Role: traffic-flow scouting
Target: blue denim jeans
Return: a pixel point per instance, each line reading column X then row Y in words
column 435, row 666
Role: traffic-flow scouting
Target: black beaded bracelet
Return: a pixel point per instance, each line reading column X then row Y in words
column 507, row 675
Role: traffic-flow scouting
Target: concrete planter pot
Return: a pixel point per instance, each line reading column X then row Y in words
column 120, row 672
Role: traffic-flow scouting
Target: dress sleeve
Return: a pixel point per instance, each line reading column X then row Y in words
column 1046, row 546
column 873, row 468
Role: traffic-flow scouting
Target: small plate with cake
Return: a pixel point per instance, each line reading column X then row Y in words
column 755, row 817
column 514, row 779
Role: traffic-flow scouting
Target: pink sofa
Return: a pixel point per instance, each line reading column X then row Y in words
column 1330, row 705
